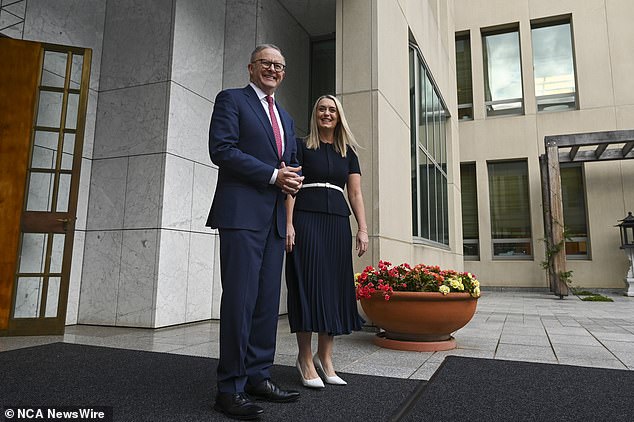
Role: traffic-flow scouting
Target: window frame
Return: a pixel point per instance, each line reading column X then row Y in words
column 588, row 255
column 464, row 36
column 512, row 240
column 476, row 240
column 430, row 153
column 551, row 22
column 488, row 104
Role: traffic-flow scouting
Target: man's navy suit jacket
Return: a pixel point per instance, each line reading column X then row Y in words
column 242, row 145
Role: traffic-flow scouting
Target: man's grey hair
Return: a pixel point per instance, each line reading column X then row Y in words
column 263, row 47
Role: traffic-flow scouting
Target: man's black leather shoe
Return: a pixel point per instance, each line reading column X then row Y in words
column 267, row 390
column 237, row 406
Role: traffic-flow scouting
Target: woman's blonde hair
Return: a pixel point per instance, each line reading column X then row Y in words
column 343, row 135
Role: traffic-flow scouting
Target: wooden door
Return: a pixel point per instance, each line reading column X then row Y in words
column 44, row 94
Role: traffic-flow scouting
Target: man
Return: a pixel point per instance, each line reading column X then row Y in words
column 250, row 140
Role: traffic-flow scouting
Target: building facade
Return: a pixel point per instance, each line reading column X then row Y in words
column 142, row 256
column 529, row 69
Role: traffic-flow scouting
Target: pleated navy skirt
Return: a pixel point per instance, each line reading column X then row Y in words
column 319, row 276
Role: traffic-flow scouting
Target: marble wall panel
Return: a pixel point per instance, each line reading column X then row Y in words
column 107, row 194
column 91, row 119
column 200, row 276
column 131, row 121
column 136, row 43
column 171, row 287
column 177, row 193
column 72, row 307
column 204, row 188
column 100, row 278
column 143, row 195
column 240, row 38
column 188, row 126
column 137, row 288
column 84, row 190
column 77, row 23
column 199, row 35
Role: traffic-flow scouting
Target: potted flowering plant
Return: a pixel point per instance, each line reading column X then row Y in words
column 387, row 279
column 417, row 307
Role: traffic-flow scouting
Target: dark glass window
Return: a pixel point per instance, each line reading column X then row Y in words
column 322, row 69
column 463, row 76
column 429, row 154
column 575, row 217
column 510, row 210
column 469, row 197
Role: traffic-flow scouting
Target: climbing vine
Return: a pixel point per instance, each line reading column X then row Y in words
column 551, row 251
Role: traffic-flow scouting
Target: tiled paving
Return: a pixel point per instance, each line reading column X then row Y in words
column 530, row 326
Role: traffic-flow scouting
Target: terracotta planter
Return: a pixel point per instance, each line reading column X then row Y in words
column 421, row 321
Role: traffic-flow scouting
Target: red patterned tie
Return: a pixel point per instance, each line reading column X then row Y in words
column 276, row 127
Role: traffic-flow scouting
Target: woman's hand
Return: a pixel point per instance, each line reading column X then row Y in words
column 362, row 242
column 290, row 237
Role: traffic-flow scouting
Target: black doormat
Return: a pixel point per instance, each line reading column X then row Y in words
column 470, row 389
column 148, row 386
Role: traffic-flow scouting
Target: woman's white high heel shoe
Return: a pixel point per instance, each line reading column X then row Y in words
column 335, row 380
column 312, row 383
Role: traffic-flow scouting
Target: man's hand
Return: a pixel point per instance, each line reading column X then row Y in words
column 288, row 180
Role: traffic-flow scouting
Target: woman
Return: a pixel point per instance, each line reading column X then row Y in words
column 319, row 276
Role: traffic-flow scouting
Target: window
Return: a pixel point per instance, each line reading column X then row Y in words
column 470, row 232
column 428, row 154
column 463, row 75
column 554, row 67
column 322, row 68
column 502, row 73
column 575, row 217
column 510, row 210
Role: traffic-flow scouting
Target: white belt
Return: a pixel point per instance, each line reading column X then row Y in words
column 322, row 185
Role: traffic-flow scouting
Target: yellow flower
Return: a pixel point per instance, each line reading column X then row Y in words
column 443, row 289
column 455, row 283
column 476, row 292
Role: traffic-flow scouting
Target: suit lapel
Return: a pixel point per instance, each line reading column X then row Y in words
column 256, row 105
column 285, row 125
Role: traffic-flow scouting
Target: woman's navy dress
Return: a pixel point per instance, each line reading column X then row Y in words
column 319, row 277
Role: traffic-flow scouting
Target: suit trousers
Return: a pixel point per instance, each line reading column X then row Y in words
column 250, row 270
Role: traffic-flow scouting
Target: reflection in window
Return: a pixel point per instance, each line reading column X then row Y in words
column 575, row 218
column 502, row 73
column 554, row 68
column 469, row 195
column 429, row 151
column 510, row 210
column 463, row 75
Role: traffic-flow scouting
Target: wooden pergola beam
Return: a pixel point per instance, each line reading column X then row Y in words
column 556, row 232
column 600, row 150
column 551, row 186
column 592, row 138
column 585, row 156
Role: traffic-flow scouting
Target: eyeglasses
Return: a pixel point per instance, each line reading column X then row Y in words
column 278, row 67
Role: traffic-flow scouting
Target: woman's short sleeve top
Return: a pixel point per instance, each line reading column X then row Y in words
column 325, row 165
